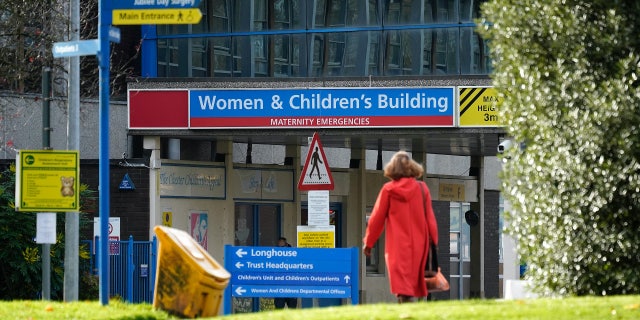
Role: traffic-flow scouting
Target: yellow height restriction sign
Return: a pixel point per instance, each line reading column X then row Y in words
column 47, row 180
column 478, row 107
column 156, row 16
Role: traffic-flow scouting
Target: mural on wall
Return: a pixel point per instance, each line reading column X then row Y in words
column 250, row 181
column 242, row 231
column 179, row 179
column 264, row 184
column 200, row 227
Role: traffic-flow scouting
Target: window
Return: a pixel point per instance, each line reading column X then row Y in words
column 255, row 225
column 460, row 232
column 374, row 263
column 335, row 38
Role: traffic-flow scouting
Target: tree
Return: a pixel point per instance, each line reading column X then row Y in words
column 28, row 29
column 567, row 75
column 21, row 270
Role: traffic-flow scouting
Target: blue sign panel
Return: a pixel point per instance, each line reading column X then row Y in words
column 126, row 183
column 291, row 272
column 298, row 279
column 114, row 34
column 287, row 291
column 76, row 48
column 154, row 4
column 322, row 107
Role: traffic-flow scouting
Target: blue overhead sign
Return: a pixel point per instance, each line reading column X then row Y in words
column 291, row 272
column 154, row 4
column 76, row 48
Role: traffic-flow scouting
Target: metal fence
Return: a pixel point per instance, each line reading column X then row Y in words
column 132, row 268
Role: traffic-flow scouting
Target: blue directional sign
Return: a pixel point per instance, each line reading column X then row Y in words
column 154, row 4
column 288, row 291
column 291, row 272
column 294, row 278
column 76, row 48
column 114, row 34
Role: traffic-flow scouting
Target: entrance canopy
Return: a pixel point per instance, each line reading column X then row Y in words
column 435, row 116
column 446, row 141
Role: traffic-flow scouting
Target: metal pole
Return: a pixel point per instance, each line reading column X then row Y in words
column 46, row 144
column 72, row 219
column 104, row 16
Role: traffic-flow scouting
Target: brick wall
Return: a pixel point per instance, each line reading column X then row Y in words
column 132, row 206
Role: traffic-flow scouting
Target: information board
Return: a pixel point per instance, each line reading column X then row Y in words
column 47, row 180
column 291, row 272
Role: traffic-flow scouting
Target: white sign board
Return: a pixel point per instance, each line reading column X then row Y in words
column 46, row 227
column 114, row 233
column 318, row 208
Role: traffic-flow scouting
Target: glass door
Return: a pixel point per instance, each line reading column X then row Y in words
column 459, row 250
column 256, row 224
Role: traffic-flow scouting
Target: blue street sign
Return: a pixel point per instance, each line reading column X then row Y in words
column 154, row 4
column 243, row 291
column 291, row 272
column 288, row 265
column 114, row 34
column 295, row 254
column 76, row 48
column 295, row 278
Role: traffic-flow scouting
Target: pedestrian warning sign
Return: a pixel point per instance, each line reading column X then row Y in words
column 316, row 174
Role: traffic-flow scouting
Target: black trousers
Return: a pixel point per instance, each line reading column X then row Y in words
column 292, row 303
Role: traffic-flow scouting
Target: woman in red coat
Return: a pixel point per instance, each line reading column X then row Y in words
column 400, row 206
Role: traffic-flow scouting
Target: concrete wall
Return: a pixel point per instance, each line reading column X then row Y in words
column 21, row 126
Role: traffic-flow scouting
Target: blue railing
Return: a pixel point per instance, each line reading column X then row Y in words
column 132, row 268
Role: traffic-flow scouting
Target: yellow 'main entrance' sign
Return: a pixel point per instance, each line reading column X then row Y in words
column 156, row 16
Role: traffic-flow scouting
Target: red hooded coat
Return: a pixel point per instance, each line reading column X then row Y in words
column 400, row 206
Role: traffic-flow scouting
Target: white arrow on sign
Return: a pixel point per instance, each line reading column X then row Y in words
column 239, row 265
column 240, row 291
column 241, row 253
column 347, row 278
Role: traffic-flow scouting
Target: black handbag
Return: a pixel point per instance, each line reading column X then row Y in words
column 431, row 268
column 433, row 277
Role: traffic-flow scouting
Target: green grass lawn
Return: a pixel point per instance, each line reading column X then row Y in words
column 618, row 307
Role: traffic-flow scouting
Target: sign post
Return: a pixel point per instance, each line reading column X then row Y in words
column 101, row 48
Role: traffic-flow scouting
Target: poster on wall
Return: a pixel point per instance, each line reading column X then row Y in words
column 167, row 217
column 200, row 227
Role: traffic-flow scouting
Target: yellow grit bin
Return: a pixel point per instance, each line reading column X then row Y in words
column 189, row 282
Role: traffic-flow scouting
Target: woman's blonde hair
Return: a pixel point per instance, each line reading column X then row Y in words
column 401, row 165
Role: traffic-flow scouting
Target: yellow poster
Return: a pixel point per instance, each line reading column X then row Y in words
column 167, row 219
column 451, row 192
column 47, row 180
column 316, row 237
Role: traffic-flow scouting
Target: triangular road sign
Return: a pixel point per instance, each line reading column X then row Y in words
column 126, row 183
column 316, row 174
